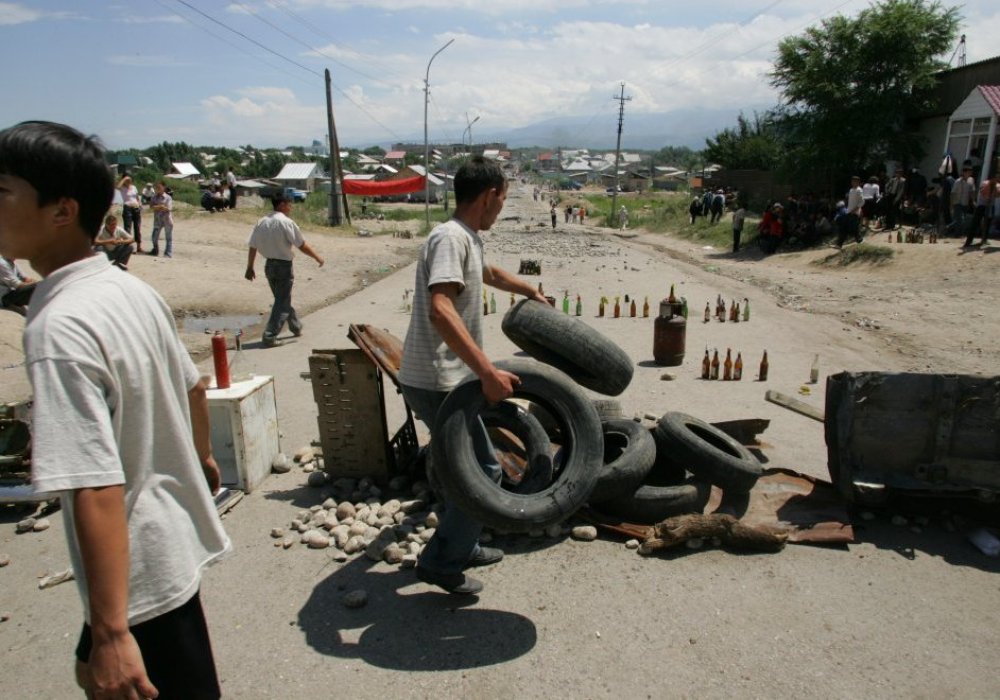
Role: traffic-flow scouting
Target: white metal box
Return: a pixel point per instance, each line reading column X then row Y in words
column 244, row 431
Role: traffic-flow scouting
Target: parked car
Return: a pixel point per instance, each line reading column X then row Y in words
column 296, row 195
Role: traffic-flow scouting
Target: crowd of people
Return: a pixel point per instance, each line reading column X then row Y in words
column 956, row 203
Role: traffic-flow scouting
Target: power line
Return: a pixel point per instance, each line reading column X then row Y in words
column 251, row 40
column 276, row 28
column 226, row 41
column 283, row 6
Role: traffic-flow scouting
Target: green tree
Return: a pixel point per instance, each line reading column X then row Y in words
column 851, row 86
column 753, row 145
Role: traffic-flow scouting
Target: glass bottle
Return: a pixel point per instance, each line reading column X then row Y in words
column 565, row 304
column 727, row 366
column 746, row 309
column 762, row 375
column 814, row 370
column 738, row 367
column 631, row 309
column 708, row 314
column 645, row 308
column 715, row 365
column 579, row 306
column 493, row 303
column 706, row 366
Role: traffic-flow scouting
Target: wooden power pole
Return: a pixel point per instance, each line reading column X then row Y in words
column 621, row 100
column 338, row 200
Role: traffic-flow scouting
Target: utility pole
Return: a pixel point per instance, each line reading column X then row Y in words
column 338, row 201
column 621, row 100
column 427, row 148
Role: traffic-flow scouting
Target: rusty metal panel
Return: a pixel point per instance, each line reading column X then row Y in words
column 352, row 424
column 383, row 348
column 913, row 434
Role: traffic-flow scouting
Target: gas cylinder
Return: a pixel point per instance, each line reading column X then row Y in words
column 220, row 360
column 669, row 335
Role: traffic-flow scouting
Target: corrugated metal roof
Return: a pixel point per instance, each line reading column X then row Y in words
column 395, row 155
column 185, row 169
column 992, row 95
column 297, row 171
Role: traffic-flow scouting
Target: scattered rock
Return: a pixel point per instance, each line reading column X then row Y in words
column 4, row 617
column 355, row 599
column 25, row 525
column 393, row 554
column 426, row 535
column 288, row 542
column 409, row 561
column 41, row 525
column 304, row 454
column 277, row 532
column 632, row 544
column 317, row 479
column 357, row 529
column 4, row 560
column 338, row 556
column 280, row 464
column 310, row 469
column 413, row 548
column 432, row 520
column 316, row 539
column 586, row 533
column 345, row 510
column 668, row 377
column 354, row 545
column 298, row 526
column 390, row 507
column 330, row 504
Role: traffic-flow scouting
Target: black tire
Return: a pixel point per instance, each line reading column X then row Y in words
column 651, row 504
column 708, row 453
column 467, row 486
column 534, row 448
column 629, row 453
column 570, row 345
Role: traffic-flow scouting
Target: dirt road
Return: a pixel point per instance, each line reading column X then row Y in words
column 909, row 610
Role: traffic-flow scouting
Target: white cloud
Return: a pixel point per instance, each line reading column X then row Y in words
column 150, row 19
column 14, row 13
column 272, row 115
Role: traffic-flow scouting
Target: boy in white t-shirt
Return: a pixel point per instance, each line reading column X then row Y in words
column 119, row 427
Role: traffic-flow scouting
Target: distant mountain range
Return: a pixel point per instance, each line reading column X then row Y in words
column 648, row 131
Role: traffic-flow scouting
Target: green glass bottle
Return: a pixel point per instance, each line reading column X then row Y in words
column 565, row 303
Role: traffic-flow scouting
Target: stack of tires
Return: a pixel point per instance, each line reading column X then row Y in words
column 566, row 450
column 649, row 475
column 558, row 476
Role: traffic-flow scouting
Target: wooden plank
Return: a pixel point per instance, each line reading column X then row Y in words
column 800, row 407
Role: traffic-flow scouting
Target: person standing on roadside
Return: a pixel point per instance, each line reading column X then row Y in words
column 444, row 343
column 231, row 184
column 739, row 216
column 895, row 191
column 963, row 199
column 852, row 220
column 131, row 210
column 119, row 427
column 552, row 213
column 276, row 237
column 162, row 205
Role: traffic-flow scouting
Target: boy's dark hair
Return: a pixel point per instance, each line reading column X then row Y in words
column 475, row 176
column 279, row 199
column 59, row 161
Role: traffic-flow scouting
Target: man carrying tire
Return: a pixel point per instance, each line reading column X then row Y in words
column 444, row 343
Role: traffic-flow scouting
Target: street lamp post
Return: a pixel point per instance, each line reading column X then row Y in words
column 427, row 147
column 468, row 129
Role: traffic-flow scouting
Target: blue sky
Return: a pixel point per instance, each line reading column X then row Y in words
column 147, row 71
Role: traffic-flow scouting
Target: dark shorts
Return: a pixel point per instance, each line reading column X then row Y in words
column 176, row 651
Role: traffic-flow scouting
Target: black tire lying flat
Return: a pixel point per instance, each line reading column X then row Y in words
column 536, row 446
column 651, row 504
column 570, row 345
column 629, row 453
column 467, row 486
column 708, row 453
column 609, row 409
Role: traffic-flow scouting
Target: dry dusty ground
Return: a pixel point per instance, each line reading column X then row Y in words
column 900, row 613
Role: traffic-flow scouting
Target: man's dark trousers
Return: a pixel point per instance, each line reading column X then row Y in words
column 280, row 277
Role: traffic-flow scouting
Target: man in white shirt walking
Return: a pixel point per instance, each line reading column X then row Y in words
column 276, row 237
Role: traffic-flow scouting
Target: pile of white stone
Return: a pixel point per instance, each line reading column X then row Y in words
column 393, row 525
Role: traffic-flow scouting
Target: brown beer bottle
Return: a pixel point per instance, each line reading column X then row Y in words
column 706, row 366
column 727, row 366
column 736, row 314
column 645, row 308
column 631, row 309
column 762, row 376
column 600, row 308
column 715, row 365
column 738, row 367
column 672, row 299
column 708, row 314
column 618, row 308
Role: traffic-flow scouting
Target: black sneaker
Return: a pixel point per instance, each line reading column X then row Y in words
column 484, row 556
column 297, row 331
column 271, row 343
column 456, row 584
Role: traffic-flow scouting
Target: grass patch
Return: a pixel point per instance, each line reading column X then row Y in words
column 662, row 212
column 862, row 253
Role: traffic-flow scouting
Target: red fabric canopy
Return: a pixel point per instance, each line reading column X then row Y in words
column 370, row 188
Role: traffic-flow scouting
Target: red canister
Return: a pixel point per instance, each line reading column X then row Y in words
column 221, row 361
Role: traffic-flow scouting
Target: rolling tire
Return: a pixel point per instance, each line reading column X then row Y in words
column 708, row 453
column 570, row 345
column 470, row 489
column 629, row 454
column 525, row 427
